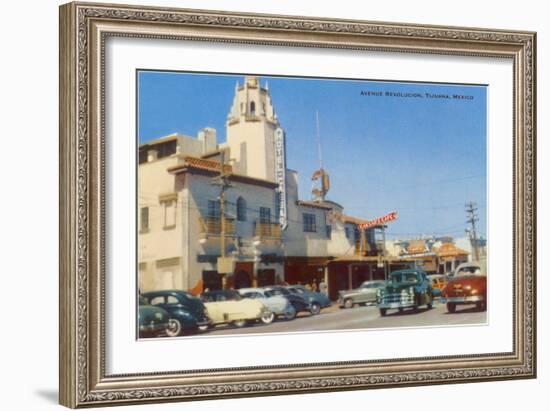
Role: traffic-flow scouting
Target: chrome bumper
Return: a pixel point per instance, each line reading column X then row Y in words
column 396, row 300
column 462, row 300
column 396, row 305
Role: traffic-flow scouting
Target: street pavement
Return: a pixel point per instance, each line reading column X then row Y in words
column 361, row 317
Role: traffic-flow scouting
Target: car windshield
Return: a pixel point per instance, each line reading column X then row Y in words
column 251, row 294
column 221, row 296
column 372, row 285
column 279, row 291
column 469, row 270
column 404, row 278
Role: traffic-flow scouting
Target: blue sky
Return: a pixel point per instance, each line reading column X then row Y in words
column 424, row 157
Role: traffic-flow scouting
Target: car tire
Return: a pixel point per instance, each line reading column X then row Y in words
column 174, row 328
column 290, row 315
column 481, row 306
column 451, row 307
column 430, row 302
column 315, row 308
column 267, row 318
column 348, row 303
column 239, row 323
column 383, row 312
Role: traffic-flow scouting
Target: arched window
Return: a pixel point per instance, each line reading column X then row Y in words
column 241, row 209
column 252, row 108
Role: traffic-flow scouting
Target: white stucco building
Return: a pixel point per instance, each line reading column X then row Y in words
column 271, row 235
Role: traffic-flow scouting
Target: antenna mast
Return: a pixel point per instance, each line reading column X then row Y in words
column 319, row 141
column 320, row 174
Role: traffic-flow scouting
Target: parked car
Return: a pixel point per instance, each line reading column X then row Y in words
column 299, row 302
column 405, row 289
column 315, row 299
column 228, row 307
column 277, row 304
column 186, row 311
column 467, row 286
column 438, row 281
column 152, row 321
column 366, row 293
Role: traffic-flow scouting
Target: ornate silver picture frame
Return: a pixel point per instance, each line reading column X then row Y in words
column 86, row 154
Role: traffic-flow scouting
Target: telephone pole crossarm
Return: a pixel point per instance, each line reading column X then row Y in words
column 471, row 209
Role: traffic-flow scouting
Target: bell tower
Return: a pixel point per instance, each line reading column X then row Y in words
column 251, row 125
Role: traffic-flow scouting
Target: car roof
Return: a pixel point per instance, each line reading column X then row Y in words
column 250, row 290
column 226, row 291
column 407, row 271
column 468, row 264
column 165, row 292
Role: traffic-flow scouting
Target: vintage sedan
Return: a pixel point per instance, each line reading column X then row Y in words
column 298, row 301
column 439, row 281
column 467, row 286
column 228, row 307
column 405, row 289
column 187, row 312
column 277, row 304
column 152, row 321
column 366, row 293
column 315, row 299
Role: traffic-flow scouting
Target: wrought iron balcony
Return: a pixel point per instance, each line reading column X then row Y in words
column 369, row 250
column 213, row 226
column 267, row 230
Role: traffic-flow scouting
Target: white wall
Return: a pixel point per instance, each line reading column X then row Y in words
column 29, row 347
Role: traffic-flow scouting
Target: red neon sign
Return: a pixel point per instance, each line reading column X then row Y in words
column 379, row 221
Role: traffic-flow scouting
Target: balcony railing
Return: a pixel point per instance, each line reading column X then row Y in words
column 213, row 225
column 264, row 230
column 369, row 251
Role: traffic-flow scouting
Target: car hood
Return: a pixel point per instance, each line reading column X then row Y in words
column 397, row 287
column 149, row 313
column 353, row 291
column 476, row 281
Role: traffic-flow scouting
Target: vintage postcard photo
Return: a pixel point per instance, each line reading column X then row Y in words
column 270, row 204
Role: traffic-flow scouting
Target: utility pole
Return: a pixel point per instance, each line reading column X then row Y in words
column 471, row 209
column 222, row 181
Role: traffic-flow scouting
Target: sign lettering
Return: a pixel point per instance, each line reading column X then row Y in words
column 379, row 221
column 280, row 176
